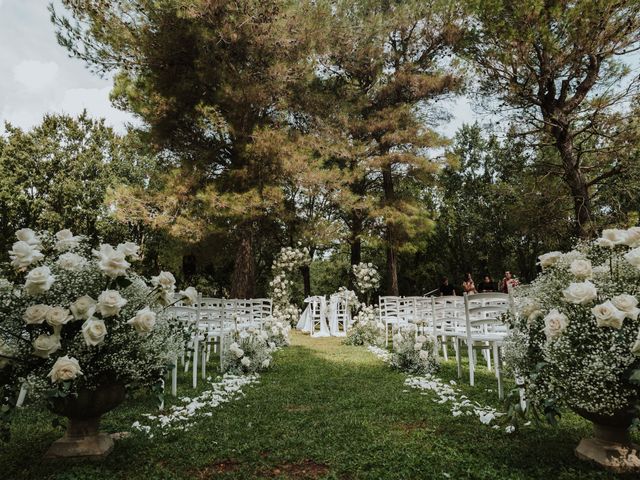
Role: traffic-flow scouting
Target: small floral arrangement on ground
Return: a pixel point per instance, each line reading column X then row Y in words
column 366, row 279
column 287, row 313
column 277, row 333
column 247, row 351
column 74, row 318
column 576, row 337
column 366, row 328
column 413, row 352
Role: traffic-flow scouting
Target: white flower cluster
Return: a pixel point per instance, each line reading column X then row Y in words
column 366, row 328
column 366, row 278
column 82, row 316
column 247, row 350
column 284, row 265
column 413, row 352
column 182, row 417
column 576, row 337
column 277, row 332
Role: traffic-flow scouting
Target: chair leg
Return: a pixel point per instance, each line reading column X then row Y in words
column 196, row 349
column 487, row 355
column 445, row 352
column 203, row 364
column 174, row 379
column 456, row 342
column 496, row 361
column 471, row 363
column 22, row 395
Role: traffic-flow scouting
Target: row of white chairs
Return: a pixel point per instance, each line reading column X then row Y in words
column 475, row 320
column 209, row 321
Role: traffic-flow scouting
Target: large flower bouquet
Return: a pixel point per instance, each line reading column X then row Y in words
column 248, row 350
column 366, row 328
column 366, row 279
column 286, row 262
column 413, row 352
column 576, row 336
column 277, row 333
column 73, row 318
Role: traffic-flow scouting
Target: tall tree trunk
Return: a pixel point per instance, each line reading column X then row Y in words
column 243, row 279
column 392, row 259
column 355, row 243
column 306, row 279
column 575, row 179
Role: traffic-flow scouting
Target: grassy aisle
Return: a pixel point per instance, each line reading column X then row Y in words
column 324, row 411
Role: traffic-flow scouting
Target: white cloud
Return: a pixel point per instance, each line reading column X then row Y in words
column 35, row 75
column 71, row 102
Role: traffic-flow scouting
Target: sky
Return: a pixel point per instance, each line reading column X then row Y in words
column 37, row 76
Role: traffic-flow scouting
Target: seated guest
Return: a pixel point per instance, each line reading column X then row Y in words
column 468, row 285
column 486, row 285
column 508, row 282
column 445, row 288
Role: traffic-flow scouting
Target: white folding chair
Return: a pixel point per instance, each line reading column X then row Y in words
column 485, row 329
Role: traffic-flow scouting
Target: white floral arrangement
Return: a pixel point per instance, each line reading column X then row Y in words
column 247, row 351
column 74, row 318
column 366, row 328
column 287, row 313
column 277, row 333
column 413, row 352
column 366, row 278
column 284, row 265
column 576, row 337
column 350, row 297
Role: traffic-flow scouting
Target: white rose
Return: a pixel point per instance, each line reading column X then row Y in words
column 165, row 281
column 421, row 339
column 110, row 302
column 549, row 259
column 130, row 250
column 29, row 236
column 627, row 304
column 554, row 324
column 528, row 307
column 22, row 255
column 38, row 280
column 166, row 297
column 613, row 236
column 581, row 268
column 36, row 314
column 94, row 332
column 607, row 315
column 533, row 316
column 66, row 368
column 144, row 321
column 633, row 237
column 245, row 361
column 580, row 293
column 572, row 255
column 423, row 355
column 83, row 308
column 45, row 345
column 236, row 350
column 66, row 240
column 417, row 347
column 57, row 316
column 111, row 261
column 189, row 295
column 633, row 257
column 71, row 261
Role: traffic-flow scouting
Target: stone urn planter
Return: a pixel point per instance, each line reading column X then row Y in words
column 82, row 439
column 611, row 446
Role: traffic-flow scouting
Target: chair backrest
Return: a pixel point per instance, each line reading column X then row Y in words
column 389, row 309
column 484, row 312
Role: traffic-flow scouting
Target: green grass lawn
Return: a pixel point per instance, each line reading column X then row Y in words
column 324, row 410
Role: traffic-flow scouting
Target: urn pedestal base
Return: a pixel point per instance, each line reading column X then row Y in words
column 82, row 441
column 611, row 448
